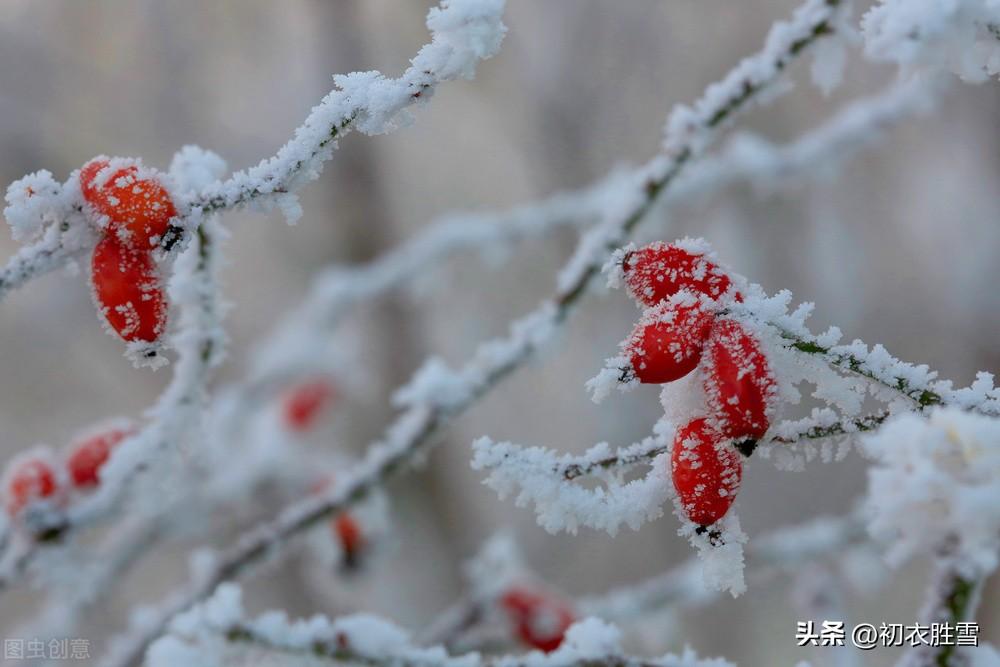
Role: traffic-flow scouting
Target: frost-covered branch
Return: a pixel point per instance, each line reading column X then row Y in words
column 952, row 597
column 291, row 348
column 571, row 467
column 218, row 628
column 51, row 252
column 932, row 491
column 463, row 33
column 916, row 382
column 857, row 125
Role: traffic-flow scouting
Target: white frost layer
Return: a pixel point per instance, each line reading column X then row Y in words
column 199, row 637
column 936, row 481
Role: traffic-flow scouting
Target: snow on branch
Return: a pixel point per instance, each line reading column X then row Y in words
column 861, row 122
column 218, row 629
column 946, row 466
column 52, row 252
column 463, row 33
column 959, row 36
column 292, row 347
column 542, row 478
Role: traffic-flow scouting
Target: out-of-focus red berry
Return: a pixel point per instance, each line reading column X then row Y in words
column 304, row 403
column 348, row 533
column 89, row 454
column 346, row 529
column 706, row 471
column 128, row 290
column 539, row 620
column 28, row 480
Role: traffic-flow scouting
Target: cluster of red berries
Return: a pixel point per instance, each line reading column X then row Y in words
column 539, row 619
column 683, row 328
column 36, row 476
column 134, row 211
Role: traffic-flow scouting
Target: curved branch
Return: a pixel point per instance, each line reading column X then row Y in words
column 462, row 34
column 53, row 251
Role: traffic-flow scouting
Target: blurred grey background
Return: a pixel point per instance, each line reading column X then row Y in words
column 899, row 249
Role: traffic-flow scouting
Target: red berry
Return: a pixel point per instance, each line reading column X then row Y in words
column 738, row 382
column 27, row 480
column 348, row 533
column 540, row 621
column 706, row 471
column 666, row 344
column 128, row 290
column 136, row 205
column 658, row 271
column 344, row 527
column 304, row 403
column 89, row 454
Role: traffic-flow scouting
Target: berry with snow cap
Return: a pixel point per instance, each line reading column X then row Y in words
column 739, row 383
column 137, row 205
column 88, row 454
column 659, row 270
column 706, row 472
column 29, row 478
column 128, row 290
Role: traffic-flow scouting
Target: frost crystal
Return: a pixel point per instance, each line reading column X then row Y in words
column 937, row 480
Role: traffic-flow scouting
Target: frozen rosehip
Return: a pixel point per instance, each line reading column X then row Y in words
column 304, row 403
column 706, row 471
column 136, row 203
column 539, row 620
column 87, row 455
column 739, row 384
column 667, row 342
column 347, row 532
column 659, row 270
column 128, row 290
column 28, row 479
column 344, row 527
